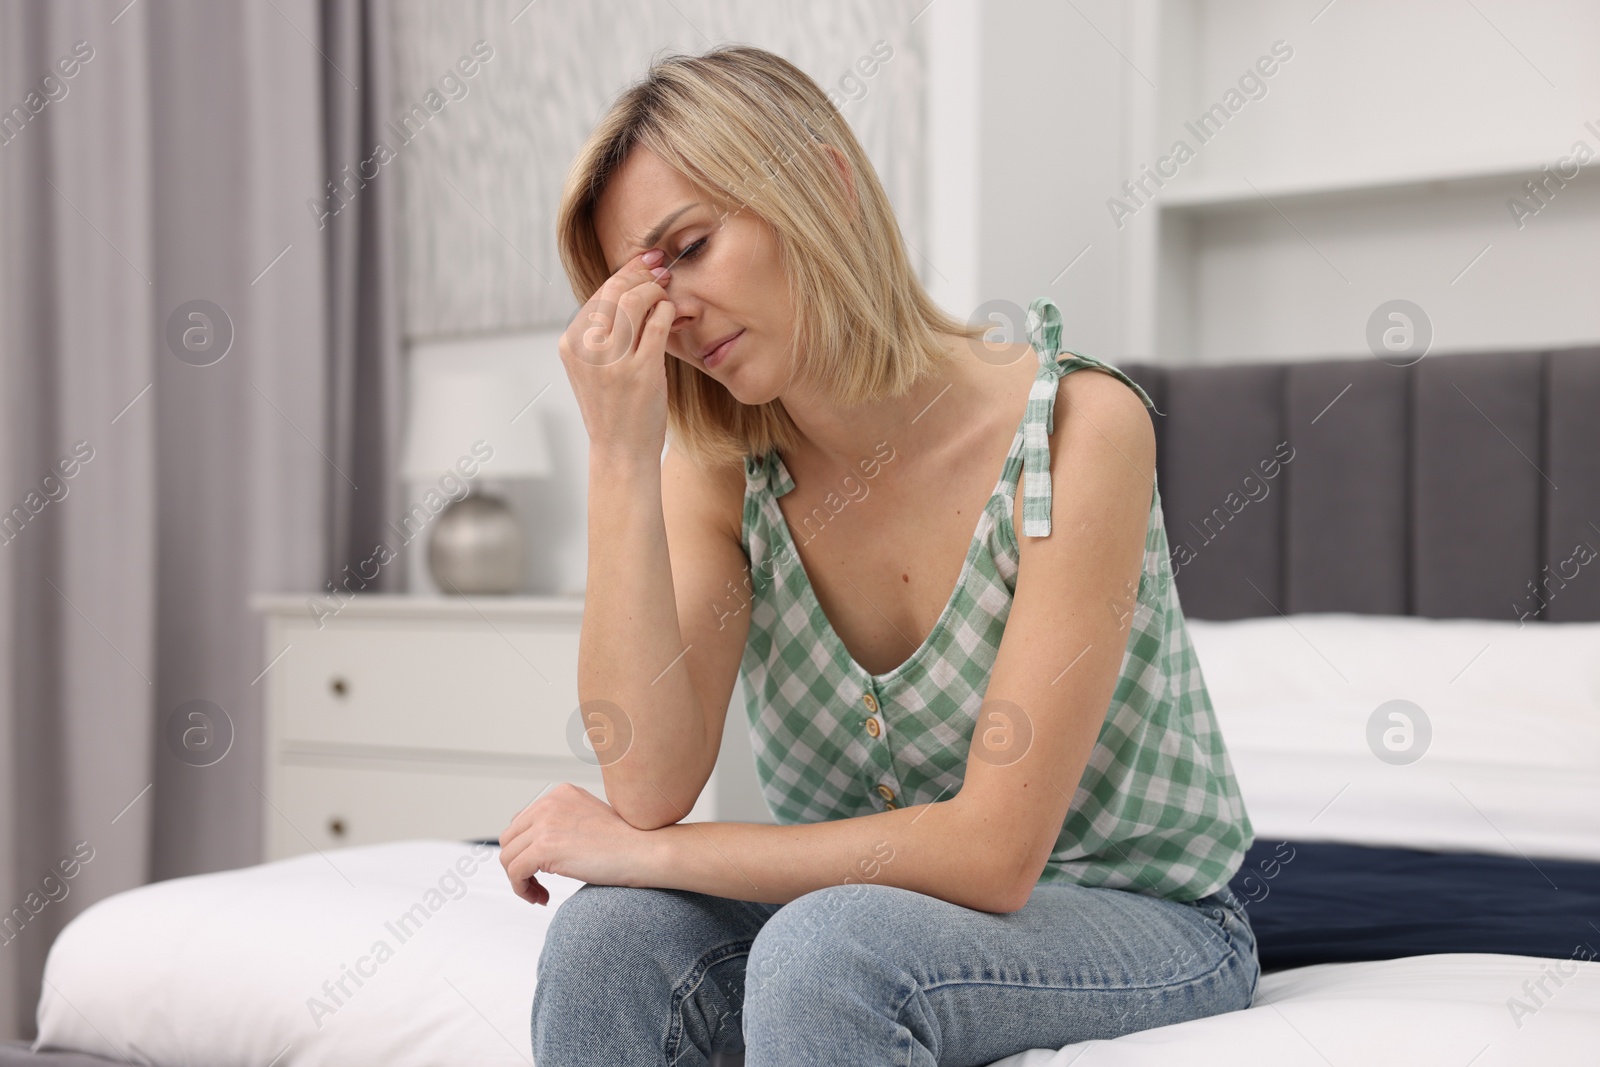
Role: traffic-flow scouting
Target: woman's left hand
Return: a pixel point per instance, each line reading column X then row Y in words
column 571, row 832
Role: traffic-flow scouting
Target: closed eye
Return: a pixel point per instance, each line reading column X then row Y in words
column 693, row 250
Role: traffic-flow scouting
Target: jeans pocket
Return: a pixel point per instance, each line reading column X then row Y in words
column 1236, row 920
column 1232, row 922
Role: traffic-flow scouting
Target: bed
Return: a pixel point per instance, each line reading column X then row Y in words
column 1400, row 628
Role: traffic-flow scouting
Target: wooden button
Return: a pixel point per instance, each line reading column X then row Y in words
column 885, row 792
column 871, row 703
column 873, row 728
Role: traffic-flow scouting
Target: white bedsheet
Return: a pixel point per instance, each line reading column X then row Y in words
column 1449, row 1009
column 225, row 970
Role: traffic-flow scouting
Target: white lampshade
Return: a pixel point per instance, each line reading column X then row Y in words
column 452, row 409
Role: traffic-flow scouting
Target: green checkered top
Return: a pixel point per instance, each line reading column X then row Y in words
column 1157, row 811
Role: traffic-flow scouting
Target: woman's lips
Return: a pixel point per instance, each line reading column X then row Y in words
column 720, row 353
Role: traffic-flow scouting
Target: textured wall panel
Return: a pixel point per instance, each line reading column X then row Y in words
column 1224, row 514
column 1442, row 489
column 1345, row 499
column 1478, row 483
column 480, row 181
column 1572, row 529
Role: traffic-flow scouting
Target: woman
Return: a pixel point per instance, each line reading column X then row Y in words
column 1007, row 819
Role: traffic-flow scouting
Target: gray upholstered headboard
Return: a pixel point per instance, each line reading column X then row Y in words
column 1461, row 486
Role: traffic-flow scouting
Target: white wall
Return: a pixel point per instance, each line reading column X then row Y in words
column 1433, row 113
column 1052, row 99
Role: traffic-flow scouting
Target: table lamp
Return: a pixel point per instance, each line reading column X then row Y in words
column 477, row 544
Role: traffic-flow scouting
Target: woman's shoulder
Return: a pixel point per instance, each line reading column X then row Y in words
column 1099, row 419
column 1101, row 436
column 1097, row 390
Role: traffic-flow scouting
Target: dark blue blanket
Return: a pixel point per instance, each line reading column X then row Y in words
column 1317, row 902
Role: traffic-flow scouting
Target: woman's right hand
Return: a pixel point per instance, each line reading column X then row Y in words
column 615, row 354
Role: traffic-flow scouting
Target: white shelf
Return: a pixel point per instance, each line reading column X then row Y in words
column 1206, row 192
column 1315, row 205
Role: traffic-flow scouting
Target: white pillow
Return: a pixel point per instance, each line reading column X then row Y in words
column 228, row 969
column 1513, row 763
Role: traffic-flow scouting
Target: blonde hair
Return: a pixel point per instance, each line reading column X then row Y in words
column 747, row 128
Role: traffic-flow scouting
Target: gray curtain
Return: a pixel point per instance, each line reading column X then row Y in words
column 147, row 487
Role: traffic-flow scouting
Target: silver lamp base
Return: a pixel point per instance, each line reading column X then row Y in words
column 477, row 547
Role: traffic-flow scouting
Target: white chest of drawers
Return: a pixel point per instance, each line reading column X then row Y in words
column 405, row 717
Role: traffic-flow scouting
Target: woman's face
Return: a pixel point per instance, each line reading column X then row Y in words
column 726, row 275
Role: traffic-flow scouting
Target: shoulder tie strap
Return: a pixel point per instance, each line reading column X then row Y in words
column 767, row 471
column 1044, row 334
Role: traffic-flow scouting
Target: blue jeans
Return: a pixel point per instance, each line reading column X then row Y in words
column 876, row 974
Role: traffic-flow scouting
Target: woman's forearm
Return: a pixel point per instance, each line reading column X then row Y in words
column 654, row 752
column 937, row 849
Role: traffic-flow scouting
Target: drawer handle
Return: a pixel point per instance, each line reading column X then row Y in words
column 339, row 687
column 336, row 826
